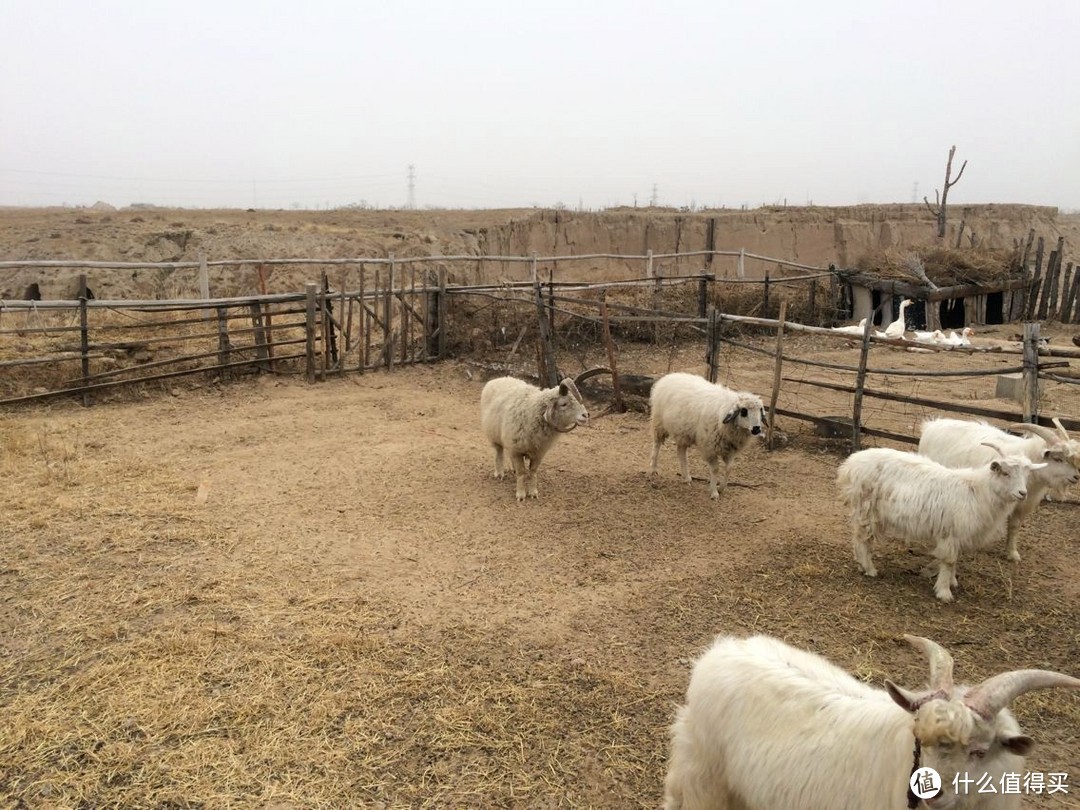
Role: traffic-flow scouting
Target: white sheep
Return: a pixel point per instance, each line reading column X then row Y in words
column 959, row 443
column 769, row 726
column 524, row 421
column 696, row 412
column 913, row 498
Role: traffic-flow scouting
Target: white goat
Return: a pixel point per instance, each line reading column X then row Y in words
column 715, row 419
column 768, row 726
column 910, row 497
column 959, row 443
column 525, row 421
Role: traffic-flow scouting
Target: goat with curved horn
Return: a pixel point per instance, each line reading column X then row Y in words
column 998, row 692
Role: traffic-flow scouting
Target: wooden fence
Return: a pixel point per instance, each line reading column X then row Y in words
column 401, row 314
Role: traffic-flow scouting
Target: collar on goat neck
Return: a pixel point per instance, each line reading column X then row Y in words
column 913, row 801
column 553, row 426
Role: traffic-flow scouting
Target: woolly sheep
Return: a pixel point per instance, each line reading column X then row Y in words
column 891, row 493
column 524, row 421
column 715, row 419
column 768, row 726
column 959, row 443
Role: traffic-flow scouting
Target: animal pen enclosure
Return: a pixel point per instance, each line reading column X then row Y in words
column 334, row 627
column 402, row 312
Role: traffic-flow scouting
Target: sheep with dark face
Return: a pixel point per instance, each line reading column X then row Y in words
column 769, row 726
column 713, row 418
column 524, row 421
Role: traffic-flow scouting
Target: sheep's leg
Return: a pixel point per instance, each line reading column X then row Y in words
column 534, row 464
column 499, row 461
column 520, row 473
column 861, row 543
column 1010, row 539
column 658, row 440
column 684, row 467
column 714, row 472
column 946, row 578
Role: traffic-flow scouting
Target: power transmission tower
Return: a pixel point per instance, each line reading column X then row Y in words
column 411, row 205
column 652, row 199
column 915, row 192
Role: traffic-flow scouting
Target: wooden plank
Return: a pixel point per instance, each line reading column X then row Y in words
column 442, row 315
column 223, row 342
column 388, row 349
column 84, row 338
column 1031, row 371
column 364, row 338
column 309, row 332
column 970, row 410
column 549, row 371
column 769, row 430
column 1072, row 310
column 712, row 350
column 1036, row 279
column 1066, row 286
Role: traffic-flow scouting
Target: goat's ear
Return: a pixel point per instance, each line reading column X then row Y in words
column 995, row 466
column 908, row 701
column 731, row 416
column 1020, row 744
column 563, row 390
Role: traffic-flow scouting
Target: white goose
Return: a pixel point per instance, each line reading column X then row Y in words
column 852, row 330
column 897, row 328
column 929, row 337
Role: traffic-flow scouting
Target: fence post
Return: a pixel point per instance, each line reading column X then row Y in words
column 388, row 311
column 769, row 434
column 712, row 344
column 1036, row 277
column 309, row 332
column 740, row 269
column 860, row 382
column 1066, row 299
column 204, row 277
column 442, row 314
column 223, row 342
column 765, row 303
column 811, row 307
column 84, row 338
column 648, row 264
column 260, row 335
column 549, row 372
column 1031, row 372
column 703, row 294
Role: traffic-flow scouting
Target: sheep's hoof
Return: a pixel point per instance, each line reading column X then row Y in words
column 714, row 495
column 944, row 596
column 521, row 496
column 497, row 476
column 870, row 572
column 534, row 494
column 1014, row 555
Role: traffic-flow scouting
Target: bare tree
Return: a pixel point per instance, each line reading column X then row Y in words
column 939, row 212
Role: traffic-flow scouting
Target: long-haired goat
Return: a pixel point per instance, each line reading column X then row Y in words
column 524, row 421
column 696, row 412
column 959, row 443
column 768, row 726
column 891, row 493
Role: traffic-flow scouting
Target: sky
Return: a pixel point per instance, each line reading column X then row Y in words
column 322, row 104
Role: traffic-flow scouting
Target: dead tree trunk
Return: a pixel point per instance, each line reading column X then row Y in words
column 939, row 201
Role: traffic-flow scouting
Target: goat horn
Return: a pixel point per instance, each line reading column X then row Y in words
column 1061, row 429
column 569, row 383
column 994, row 447
column 1041, row 431
column 592, row 372
column 994, row 694
column 941, row 663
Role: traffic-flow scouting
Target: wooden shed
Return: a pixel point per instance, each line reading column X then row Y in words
column 949, row 289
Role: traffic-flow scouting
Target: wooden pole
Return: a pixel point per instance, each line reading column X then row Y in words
column 309, row 331
column 1073, row 298
column 860, row 384
column 388, row 342
column 442, row 314
column 261, row 272
column 1036, row 277
column 84, row 338
column 610, row 345
column 260, row 335
column 712, row 350
column 765, row 302
column 811, row 305
column 1049, row 290
column 223, row 342
column 204, row 277
column 1066, row 295
column 1031, row 371
column 769, row 435
column 346, row 315
column 363, row 337
column 703, row 295
column 549, row 372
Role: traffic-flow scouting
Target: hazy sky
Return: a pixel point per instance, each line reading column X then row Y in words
column 316, row 103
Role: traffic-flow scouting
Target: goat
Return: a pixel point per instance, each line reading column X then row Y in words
column 916, row 499
column 696, row 412
column 959, row 443
column 768, row 726
column 525, row 421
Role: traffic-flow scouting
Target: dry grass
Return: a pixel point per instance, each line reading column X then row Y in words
column 944, row 266
column 337, row 628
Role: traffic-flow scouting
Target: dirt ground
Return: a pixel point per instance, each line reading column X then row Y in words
column 276, row 595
